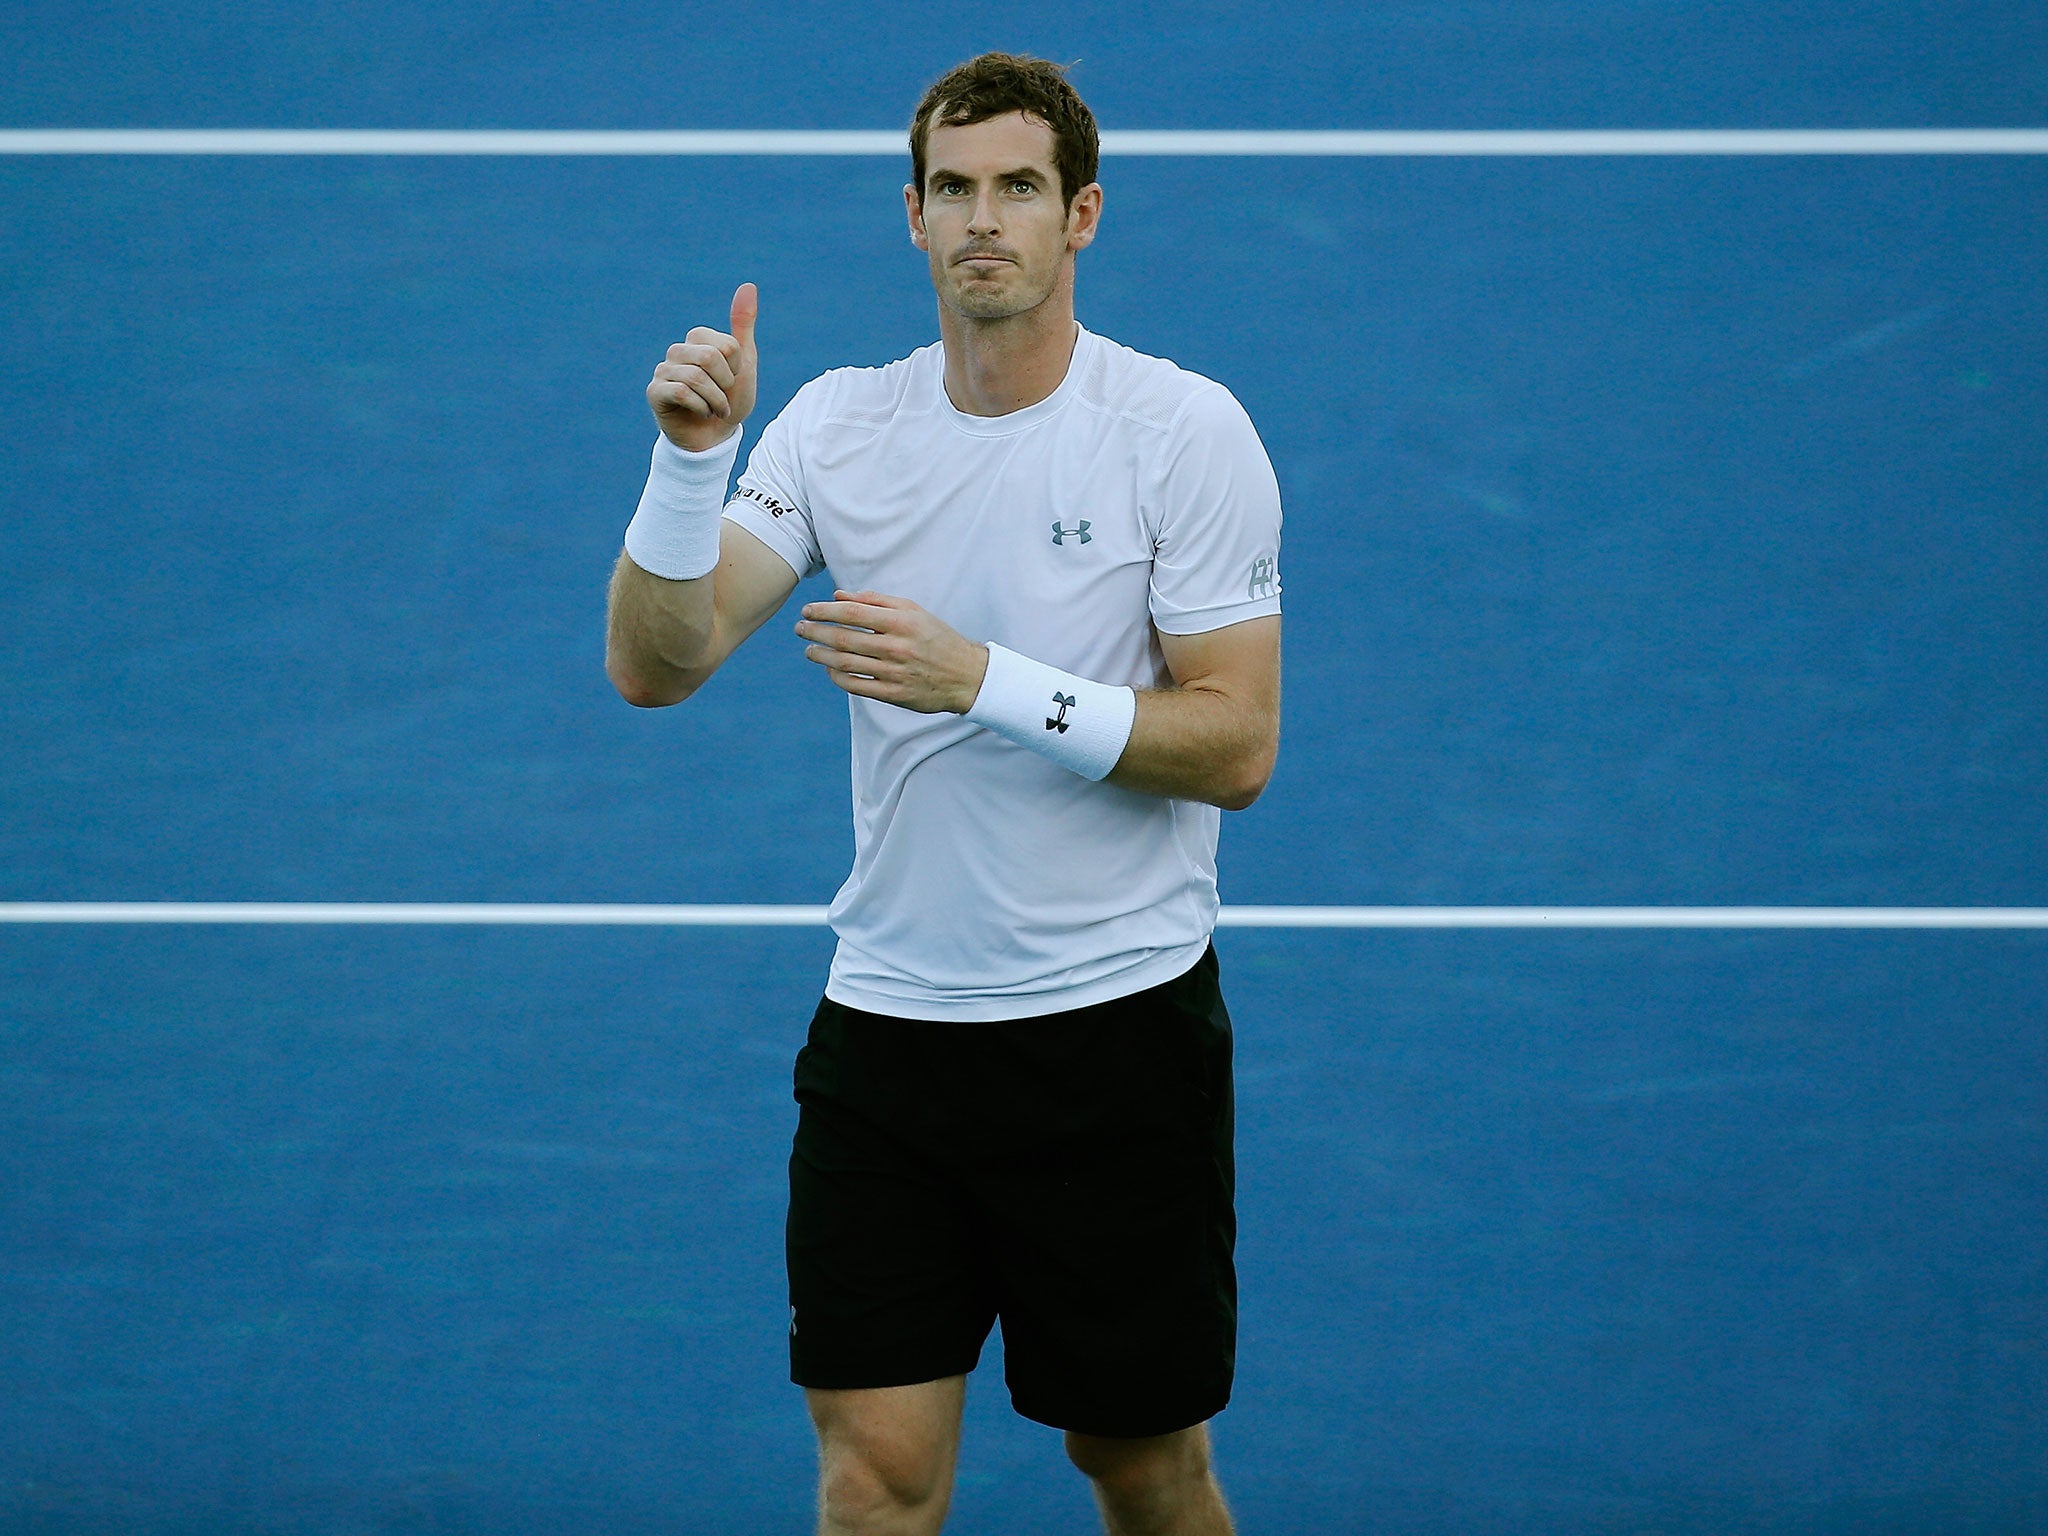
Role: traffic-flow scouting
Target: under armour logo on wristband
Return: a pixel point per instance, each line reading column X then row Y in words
column 1065, row 702
column 1061, row 535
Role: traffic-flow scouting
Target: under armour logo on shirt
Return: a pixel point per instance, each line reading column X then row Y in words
column 1065, row 702
column 1061, row 535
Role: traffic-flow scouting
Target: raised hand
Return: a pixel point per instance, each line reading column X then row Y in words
column 705, row 387
column 890, row 649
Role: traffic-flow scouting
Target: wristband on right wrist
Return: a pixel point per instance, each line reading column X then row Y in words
column 1082, row 725
column 674, row 532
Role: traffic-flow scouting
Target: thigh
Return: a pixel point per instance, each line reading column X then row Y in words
column 885, row 1286
column 1114, row 1251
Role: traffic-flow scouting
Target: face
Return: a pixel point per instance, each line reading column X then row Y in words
column 991, row 218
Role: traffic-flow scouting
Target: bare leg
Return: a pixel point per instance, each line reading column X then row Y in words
column 885, row 1457
column 1156, row 1487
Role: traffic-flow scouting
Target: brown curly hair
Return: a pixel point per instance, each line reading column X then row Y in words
column 996, row 83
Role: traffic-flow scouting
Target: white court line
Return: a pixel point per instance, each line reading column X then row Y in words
column 559, row 914
column 1634, row 917
column 1129, row 141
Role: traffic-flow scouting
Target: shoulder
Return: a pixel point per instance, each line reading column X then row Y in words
column 1157, row 396
column 864, row 398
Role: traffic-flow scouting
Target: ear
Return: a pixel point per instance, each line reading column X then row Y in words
column 913, row 208
column 1085, row 217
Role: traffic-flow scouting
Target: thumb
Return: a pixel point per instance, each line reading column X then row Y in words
column 746, row 308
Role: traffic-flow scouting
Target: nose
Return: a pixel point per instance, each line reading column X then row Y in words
column 984, row 221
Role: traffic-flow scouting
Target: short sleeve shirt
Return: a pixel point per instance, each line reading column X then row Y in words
column 1135, row 500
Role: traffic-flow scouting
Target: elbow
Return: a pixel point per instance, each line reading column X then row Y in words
column 638, row 691
column 1244, row 786
column 1240, row 798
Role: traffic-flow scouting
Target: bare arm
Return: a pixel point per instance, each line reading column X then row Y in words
column 1213, row 736
column 664, row 638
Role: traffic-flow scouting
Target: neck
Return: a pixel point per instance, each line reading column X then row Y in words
column 994, row 367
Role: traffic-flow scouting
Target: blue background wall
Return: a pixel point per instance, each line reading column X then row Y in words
column 1658, row 531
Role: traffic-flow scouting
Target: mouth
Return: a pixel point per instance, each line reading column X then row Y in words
column 982, row 258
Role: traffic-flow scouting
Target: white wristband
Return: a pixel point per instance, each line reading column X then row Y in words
column 1080, row 725
column 674, row 532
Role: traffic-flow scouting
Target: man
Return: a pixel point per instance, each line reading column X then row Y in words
column 1016, row 1092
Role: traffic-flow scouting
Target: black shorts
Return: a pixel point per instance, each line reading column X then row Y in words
column 1070, row 1174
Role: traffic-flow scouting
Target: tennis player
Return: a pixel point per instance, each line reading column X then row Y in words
column 1057, row 619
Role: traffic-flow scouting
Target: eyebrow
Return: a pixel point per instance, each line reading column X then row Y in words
column 1022, row 173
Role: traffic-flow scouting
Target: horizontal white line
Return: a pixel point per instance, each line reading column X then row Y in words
column 1131, row 141
column 1634, row 917
column 560, row 914
column 1588, row 141
column 547, row 914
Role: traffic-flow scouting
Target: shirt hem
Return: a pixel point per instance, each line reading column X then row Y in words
column 1160, row 966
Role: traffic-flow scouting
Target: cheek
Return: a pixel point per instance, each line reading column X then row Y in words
column 1052, row 238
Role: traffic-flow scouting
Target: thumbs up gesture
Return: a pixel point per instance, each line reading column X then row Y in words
column 704, row 388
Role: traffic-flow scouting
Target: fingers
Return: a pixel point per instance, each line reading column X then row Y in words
column 889, row 649
column 869, row 610
column 847, row 668
column 836, row 660
column 858, row 634
column 695, row 377
column 700, row 399
column 746, row 309
column 708, row 350
column 847, row 632
column 853, row 675
column 866, row 687
column 864, row 644
column 691, row 387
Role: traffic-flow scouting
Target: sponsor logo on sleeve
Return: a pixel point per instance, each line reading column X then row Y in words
column 1263, row 577
column 755, row 493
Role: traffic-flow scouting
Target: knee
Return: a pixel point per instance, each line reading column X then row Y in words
column 877, row 1487
column 885, row 1455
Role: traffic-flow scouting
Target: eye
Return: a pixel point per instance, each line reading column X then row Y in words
column 1022, row 187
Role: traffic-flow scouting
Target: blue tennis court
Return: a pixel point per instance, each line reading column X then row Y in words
column 1661, row 531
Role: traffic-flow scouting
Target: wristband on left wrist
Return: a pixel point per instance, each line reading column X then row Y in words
column 1076, row 722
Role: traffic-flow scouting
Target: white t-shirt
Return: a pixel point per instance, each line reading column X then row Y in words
column 988, row 883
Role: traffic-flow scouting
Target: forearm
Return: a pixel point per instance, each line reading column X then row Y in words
column 658, row 635
column 660, row 619
column 1199, row 743
column 1213, row 736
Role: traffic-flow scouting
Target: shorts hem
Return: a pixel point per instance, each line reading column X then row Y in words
column 870, row 1377
column 1121, row 1426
